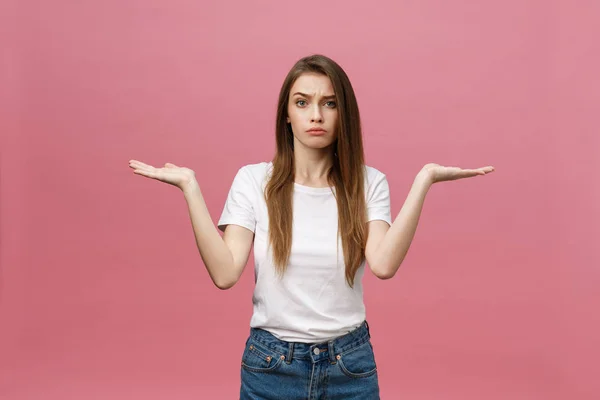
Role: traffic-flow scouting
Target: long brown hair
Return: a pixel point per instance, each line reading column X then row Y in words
column 346, row 173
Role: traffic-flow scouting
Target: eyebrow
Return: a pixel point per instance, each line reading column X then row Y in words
column 332, row 96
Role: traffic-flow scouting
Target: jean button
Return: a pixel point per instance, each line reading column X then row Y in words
column 316, row 351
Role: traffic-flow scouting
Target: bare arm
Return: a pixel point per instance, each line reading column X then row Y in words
column 387, row 246
column 224, row 257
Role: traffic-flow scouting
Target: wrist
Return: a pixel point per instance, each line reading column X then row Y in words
column 425, row 177
column 191, row 187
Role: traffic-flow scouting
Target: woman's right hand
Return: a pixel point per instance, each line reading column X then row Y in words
column 181, row 177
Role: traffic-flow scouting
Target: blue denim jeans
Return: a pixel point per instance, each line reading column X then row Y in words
column 342, row 368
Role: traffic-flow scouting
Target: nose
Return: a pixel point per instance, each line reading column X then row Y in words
column 316, row 115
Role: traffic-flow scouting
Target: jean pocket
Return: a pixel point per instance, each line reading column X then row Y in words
column 358, row 362
column 259, row 358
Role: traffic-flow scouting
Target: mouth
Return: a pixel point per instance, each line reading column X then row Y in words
column 317, row 131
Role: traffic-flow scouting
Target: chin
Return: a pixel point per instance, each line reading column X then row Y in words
column 316, row 142
column 318, row 146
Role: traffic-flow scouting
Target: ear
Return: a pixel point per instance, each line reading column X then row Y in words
column 288, row 119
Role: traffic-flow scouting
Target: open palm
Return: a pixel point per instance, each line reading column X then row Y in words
column 439, row 173
column 170, row 173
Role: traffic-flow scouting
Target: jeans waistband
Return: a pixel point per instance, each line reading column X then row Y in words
column 329, row 349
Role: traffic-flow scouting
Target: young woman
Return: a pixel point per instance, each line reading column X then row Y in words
column 314, row 215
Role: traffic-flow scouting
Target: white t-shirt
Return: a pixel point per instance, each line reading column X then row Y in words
column 312, row 302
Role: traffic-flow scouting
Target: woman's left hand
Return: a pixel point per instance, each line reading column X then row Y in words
column 437, row 173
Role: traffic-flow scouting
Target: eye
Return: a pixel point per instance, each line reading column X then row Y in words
column 301, row 101
column 331, row 104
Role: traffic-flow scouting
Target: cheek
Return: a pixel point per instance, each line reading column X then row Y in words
column 296, row 118
column 292, row 116
column 334, row 118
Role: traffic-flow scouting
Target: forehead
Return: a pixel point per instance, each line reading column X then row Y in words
column 312, row 83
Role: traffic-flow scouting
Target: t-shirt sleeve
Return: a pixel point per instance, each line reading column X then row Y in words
column 239, row 206
column 378, row 200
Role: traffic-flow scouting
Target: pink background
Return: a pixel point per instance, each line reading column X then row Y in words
column 103, row 293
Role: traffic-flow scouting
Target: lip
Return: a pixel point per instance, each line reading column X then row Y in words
column 316, row 131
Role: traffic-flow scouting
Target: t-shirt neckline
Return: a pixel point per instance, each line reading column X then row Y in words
column 311, row 189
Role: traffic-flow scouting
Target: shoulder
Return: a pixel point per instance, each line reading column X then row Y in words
column 376, row 184
column 373, row 172
column 255, row 171
column 253, row 175
column 373, row 175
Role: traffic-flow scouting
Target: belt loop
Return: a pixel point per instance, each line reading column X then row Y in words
column 290, row 353
column 331, row 352
column 367, row 326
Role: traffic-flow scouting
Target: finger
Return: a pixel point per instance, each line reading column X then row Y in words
column 139, row 164
column 145, row 168
column 136, row 164
column 169, row 165
column 147, row 173
column 468, row 173
column 485, row 170
column 472, row 172
column 479, row 171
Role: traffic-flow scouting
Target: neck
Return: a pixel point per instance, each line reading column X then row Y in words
column 312, row 166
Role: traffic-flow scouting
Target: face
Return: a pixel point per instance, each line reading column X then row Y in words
column 312, row 111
